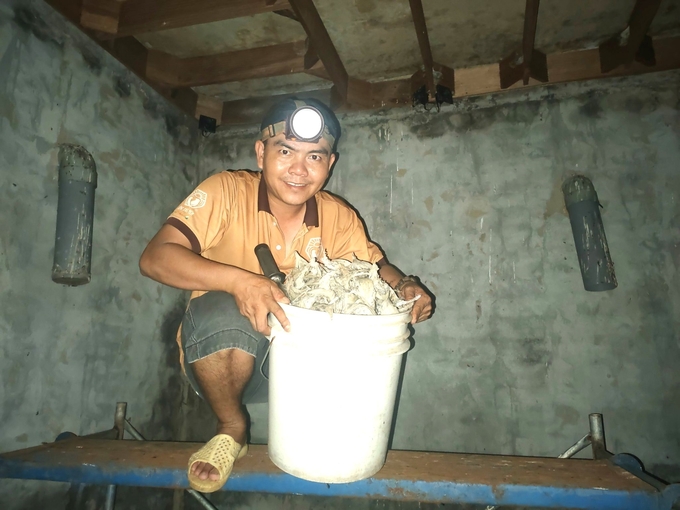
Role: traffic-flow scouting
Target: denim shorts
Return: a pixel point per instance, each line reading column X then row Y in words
column 213, row 323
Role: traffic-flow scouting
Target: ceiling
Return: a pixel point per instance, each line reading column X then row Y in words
column 376, row 40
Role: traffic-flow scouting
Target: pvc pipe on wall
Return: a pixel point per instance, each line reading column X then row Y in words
column 597, row 268
column 75, row 216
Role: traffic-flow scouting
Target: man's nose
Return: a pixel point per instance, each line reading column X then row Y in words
column 298, row 167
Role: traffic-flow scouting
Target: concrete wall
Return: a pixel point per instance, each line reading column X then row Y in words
column 518, row 353
column 68, row 354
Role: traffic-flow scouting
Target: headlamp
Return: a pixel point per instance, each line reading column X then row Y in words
column 305, row 124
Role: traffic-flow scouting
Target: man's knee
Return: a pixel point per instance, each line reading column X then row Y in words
column 213, row 323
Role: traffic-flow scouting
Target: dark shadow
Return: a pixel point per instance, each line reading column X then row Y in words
column 397, row 399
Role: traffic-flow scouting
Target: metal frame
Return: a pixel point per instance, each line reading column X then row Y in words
column 92, row 460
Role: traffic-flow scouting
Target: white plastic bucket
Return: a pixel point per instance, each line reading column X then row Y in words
column 332, row 386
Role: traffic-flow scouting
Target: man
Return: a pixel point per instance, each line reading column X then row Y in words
column 207, row 244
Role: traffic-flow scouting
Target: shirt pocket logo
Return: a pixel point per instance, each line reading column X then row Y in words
column 197, row 199
column 314, row 246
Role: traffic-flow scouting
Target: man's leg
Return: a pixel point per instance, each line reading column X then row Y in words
column 223, row 377
column 220, row 347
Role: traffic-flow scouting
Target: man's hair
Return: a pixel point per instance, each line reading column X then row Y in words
column 281, row 110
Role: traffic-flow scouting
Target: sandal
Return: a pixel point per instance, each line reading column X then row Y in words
column 220, row 452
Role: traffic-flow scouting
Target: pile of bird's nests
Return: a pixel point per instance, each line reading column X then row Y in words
column 340, row 286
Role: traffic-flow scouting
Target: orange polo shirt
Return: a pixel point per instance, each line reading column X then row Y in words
column 229, row 214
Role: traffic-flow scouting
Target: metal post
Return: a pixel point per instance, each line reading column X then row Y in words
column 597, row 437
column 202, row 500
column 578, row 446
column 119, row 427
column 119, row 419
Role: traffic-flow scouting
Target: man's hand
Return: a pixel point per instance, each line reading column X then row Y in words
column 257, row 296
column 422, row 308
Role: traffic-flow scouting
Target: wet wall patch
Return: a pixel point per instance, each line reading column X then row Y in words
column 435, row 126
column 30, row 21
column 165, row 416
column 592, row 107
column 122, row 86
column 92, row 61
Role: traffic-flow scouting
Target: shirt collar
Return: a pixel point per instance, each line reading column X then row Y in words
column 311, row 211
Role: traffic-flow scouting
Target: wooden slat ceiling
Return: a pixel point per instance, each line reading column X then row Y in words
column 229, row 59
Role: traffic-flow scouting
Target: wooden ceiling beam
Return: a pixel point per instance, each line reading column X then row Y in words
column 264, row 62
column 526, row 62
column 132, row 54
column 424, row 43
column 101, row 15
column 480, row 80
column 308, row 16
column 141, row 16
column 252, row 110
column 623, row 48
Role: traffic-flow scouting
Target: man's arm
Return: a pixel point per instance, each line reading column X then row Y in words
column 422, row 309
column 168, row 259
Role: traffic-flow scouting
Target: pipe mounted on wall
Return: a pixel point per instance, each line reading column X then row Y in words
column 75, row 216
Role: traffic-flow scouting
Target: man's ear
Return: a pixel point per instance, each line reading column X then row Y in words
column 259, row 154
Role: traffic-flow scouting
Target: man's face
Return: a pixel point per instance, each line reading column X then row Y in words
column 293, row 171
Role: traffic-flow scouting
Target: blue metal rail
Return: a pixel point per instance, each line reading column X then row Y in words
column 415, row 476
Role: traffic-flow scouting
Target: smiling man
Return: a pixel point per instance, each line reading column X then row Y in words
column 207, row 246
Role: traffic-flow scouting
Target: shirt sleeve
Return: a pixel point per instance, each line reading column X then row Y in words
column 203, row 216
column 351, row 240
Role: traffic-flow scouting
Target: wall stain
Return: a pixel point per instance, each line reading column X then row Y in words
column 567, row 415
column 534, row 351
column 122, row 86
column 447, row 196
column 92, row 60
column 364, row 6
column 165, row 418
column 29, row 21
column 431, row 127
column 592, row 108
column 555, row 204
column 429, row 203
column 475, row 213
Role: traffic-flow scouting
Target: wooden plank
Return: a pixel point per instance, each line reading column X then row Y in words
column 618, row 51
column 101, row 15
column 306, row 13
column 424, row 43
column 135, row 56
column 141, row 16
column 264, row 62
column 210, row 107
column 585, row 65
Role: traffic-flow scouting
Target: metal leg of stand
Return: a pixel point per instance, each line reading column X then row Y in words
column 119, row 427
column 597, row 437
